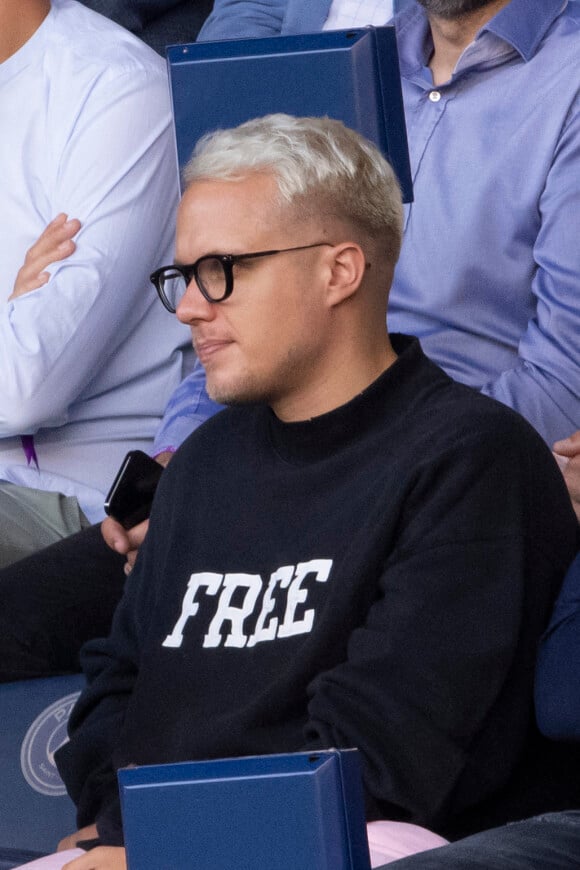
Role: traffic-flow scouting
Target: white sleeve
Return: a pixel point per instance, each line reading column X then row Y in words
column 114, row 170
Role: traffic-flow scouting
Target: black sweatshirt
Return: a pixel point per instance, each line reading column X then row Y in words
column 375, row 577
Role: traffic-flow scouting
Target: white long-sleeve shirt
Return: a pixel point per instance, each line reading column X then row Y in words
column 88, row 361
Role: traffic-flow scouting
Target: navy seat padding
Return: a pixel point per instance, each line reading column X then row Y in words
column 10, row 858
column 35, row 810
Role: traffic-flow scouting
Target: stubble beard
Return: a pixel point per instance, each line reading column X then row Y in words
column 450, row 9
column 243, row 392
column 249, row 389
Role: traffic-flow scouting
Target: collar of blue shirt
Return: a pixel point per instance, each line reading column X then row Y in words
column 521, row 25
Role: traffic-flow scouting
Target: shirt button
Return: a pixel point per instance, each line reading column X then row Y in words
column 434, row 96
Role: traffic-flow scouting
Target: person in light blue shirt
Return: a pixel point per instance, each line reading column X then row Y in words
column 490, row 269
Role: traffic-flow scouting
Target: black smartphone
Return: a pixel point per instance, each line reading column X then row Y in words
column 131, row 495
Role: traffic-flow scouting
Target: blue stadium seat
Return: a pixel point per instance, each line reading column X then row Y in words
column 35, row 809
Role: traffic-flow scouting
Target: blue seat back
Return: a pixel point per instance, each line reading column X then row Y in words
column 35, row 810
column 351, row 75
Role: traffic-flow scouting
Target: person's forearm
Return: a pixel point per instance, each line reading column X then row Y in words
column 235, row 19
column 52, row 341
column 551, row 408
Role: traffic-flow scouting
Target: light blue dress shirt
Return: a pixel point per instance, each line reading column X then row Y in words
column 87, row 361
column 235, row 19
column 489, row 275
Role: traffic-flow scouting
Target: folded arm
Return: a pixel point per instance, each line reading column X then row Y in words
column 54, row 337
column 55, row 243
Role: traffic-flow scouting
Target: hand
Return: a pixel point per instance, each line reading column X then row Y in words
column 567, row 453
column 128, row 541
column 101, row 858
column 125, row 541
column 164, row 458
column 55, row 243
column 88, row 833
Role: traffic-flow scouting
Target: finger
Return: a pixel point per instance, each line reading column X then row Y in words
column 66, row 843
column 130, row 563
column 571, row 474
column 86, row 833
column 124, row 541
column 33, row 264
column 60, row 224
column 101, row 858
column 39, row 281
column 59, row 227
column 60, row 218
column 572, row 469
column 55, row 239
column 568, row 446
column 59, row 230
column 28, row 279
column 83, row 862
column 561, row 460
column 55, row 244
column 115, row 536
column 136, row 535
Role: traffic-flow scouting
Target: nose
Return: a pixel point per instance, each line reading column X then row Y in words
column 193, row 306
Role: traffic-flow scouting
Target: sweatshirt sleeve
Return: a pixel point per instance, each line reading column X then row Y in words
column 111, row 666
column 436, row 687
column 85, row 761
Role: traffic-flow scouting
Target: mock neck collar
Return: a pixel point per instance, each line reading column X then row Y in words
column 313, row 440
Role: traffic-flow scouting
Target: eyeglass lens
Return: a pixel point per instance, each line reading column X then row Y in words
column 210, row 275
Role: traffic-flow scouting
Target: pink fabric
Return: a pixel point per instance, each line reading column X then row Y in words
column 387, row 842
column 53, row 862
column 391, row 840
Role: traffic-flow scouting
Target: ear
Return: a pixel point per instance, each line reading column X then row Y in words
column 347, row 264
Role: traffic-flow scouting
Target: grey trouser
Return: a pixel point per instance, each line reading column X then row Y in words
column 31, row 519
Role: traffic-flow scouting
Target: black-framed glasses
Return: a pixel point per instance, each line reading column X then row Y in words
column 213, row 273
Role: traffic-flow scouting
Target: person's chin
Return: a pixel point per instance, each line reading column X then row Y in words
column 227, row 392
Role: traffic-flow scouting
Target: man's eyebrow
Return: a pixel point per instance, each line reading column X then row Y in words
column 178, row 262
